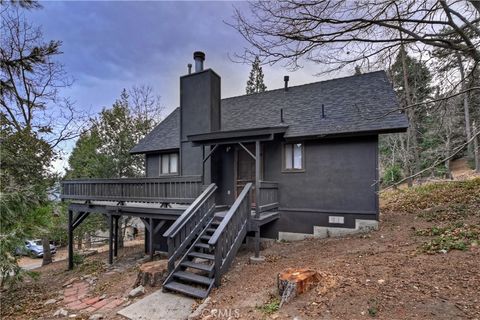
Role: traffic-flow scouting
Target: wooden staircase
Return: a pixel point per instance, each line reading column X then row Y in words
column 194, row 275
column 202, row 245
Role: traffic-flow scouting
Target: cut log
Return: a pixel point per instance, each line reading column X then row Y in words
column 291, row 282
column 151, row 273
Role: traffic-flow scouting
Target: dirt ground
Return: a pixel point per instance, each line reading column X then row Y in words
column 382, row 274
column 27, row 300
column 397, row 272
column 30, row 263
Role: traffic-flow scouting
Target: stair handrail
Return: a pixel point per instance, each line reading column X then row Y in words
column 180, row 222
column 178, row 242
column 236, row 220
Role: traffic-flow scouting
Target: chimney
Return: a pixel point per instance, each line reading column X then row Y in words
column 199, row 113
column 199, row 57
column 189, row 66
column 286, row 78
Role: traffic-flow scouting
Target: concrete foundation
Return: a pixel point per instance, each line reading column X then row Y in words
column 361, row 226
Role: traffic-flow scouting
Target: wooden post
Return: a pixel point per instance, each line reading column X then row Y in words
column 203, row 164
column 70, row 240
column 115, row 248
column 257, row 178
column 218, row 262
column 110, row 239
column 150, row 238
column 257, row 196
column 257, row 242
column 145, row 247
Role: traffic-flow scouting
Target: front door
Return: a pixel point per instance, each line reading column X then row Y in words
column 245, row 170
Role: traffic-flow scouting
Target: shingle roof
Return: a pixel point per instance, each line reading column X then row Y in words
column 166, row 135
column 360, row 103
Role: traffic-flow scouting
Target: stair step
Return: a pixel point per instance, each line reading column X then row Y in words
column 202, row 245
column 201, row 255
column 216, row 223
column 193, row 277
column 199, row 266
column 206, row 237
column 186, row 289
column 211, row 230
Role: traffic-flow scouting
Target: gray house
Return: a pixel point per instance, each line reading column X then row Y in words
column 283, row 164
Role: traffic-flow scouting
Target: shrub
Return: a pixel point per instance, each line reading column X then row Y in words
column 392, row 174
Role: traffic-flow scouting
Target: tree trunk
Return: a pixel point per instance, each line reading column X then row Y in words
column 412, row 143
column 47, row 254
column 292, row 282
column 476, row 148
column 79, row 243
column 466, row 109
column 448, row 162
column 88, row 240
column 152, row 273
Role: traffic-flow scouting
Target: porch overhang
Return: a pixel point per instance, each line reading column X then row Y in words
column 236, row 136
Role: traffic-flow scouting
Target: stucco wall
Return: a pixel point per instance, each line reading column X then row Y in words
column 339, row 179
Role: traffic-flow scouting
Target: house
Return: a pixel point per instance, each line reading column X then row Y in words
column 282, row 164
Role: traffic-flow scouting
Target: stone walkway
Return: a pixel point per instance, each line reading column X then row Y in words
column 76, row 298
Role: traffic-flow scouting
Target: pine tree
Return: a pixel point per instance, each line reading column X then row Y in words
column 255, row 80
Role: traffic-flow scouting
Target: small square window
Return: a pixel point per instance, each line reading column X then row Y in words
column 293, row 157
column 168, row 163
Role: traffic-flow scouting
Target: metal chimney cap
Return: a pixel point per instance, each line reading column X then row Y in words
column 199, row 55
column 286, row 78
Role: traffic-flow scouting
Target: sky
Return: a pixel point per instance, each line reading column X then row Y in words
column 111, row 45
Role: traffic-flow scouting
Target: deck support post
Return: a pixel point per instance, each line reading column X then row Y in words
column 110, row 239
column 70, row 240
column 257, row 178
column 257, row 243
column 258, row 158
column 115, row 248
column 150, row 238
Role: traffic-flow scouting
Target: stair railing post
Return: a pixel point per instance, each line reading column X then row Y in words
column 218, row 262
column 171, row 262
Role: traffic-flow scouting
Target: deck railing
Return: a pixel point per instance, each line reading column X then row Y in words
column 268, row 196
column 182, row 190
column 187, row 227
column 230, row 233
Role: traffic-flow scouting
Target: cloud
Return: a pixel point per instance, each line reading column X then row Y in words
column 113, row 45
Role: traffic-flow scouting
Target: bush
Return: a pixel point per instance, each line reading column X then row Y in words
column 392, row 174
column 78, row 259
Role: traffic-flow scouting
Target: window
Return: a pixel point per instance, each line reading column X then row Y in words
column 168, row 163
column 293, row 157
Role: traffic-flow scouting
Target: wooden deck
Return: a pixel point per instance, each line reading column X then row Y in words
column 182, row 190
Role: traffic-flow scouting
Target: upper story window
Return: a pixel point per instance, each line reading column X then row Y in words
column 169, row 163
column 293, row 157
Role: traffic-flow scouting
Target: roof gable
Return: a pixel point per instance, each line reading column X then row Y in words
column 164, row 136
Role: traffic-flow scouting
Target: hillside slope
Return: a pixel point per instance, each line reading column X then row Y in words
column 421, row 264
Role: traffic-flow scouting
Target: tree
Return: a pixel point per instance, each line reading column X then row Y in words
column 369, row 34
column 338, row 33
column 411, row 79
column 86, row 160
column 103, row 151
column 447, row 65
column 34, row 120
column 255, row 80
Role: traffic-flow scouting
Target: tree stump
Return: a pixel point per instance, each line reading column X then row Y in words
column 292, row 282
column 152, row 273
